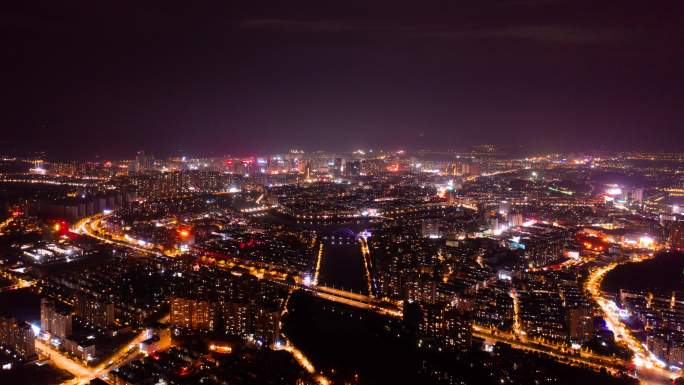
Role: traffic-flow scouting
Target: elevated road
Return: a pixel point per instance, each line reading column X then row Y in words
column 559, row 352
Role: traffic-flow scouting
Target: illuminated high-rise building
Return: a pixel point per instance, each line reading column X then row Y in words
column 676, row 238
column 24, row 340
column 192, row 314
column 338, row 167
column 54, row 321
column 236, row 317
column 580, row 323
column 266, row 324
column 17, row 336
column 353, row 168
column 504, row 207
column 141, row 163
column 419, row 288
column 95, row 311
column 62, row 169
column 515, row 219
column 444, row 327
column 431, row 229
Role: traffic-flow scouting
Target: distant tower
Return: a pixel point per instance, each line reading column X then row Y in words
column 339, row 167
column 37, row 167
column 141, row 163
column 453, row 169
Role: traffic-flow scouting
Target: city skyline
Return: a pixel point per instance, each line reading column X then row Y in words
column 300, row 152
column 483, row 192
column 449, row 268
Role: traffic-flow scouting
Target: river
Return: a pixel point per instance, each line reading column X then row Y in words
column 342, row 263
column 662, row 274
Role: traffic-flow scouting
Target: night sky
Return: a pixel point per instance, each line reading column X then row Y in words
column 86, row 78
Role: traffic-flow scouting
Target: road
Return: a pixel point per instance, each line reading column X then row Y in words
column 21, row 283
column 649, row 368
column 90, row 226
column 302, row 360
column 82, row 373
column 517, row 328
column 5, row 223
column 317, row 269
column 560, row 353
column 367, row 264
column 18, row 282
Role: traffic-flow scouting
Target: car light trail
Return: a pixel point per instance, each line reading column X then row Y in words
column 642, row 357
column 517, row 328
column 302, row 360
column 5, row 223
column 366, row 264
column 557, row 352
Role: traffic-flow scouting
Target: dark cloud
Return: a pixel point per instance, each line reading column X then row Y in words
column 541, row 32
